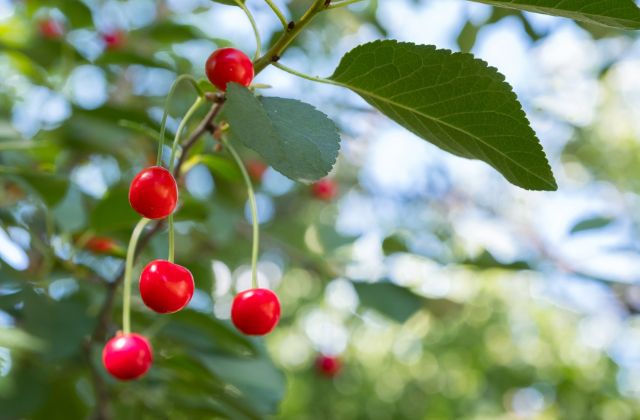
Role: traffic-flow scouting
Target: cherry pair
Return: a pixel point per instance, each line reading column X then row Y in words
column 165, row 287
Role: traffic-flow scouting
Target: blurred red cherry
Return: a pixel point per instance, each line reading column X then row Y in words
column 329, row 366
column 114, row 40
column 51, row 28
column 101, row 244
column 256, row 169
column 326, row 189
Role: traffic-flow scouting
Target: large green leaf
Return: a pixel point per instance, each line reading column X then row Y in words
column 293, row 137
column 615, row 13
column 453, row 100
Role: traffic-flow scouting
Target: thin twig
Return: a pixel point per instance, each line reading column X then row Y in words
column 205, row 125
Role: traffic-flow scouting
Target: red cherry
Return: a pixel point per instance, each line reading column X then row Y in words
column 255, row 311
column 229, row 65
column 51, row 29
column 101, row 244
column 328, row 366
column 127, row 356
column 166, row 287
column 114, row 39
column 153, row 193
column 326, row 189
column 256, row 169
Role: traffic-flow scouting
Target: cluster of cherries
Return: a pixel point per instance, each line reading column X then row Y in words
column 166, row 287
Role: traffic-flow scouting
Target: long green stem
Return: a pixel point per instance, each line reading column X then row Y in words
column 254, row 213
column 172, row 240
column 128, row 268
column 343, row 3
column 254, row 26
column 163, row 124
column 199, row 101
column 305, row 76
column 278, row 13
column 292, row 32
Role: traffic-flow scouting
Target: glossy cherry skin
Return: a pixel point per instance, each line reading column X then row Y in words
column 127, row 356
column 326, row 189
column 166, row 287
column 51, row 29
column 328, row 366
column 229, row 65
column 255, row 311
column 153, row 193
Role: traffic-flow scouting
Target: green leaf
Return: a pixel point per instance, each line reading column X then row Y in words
column 17, row 339
column 615, row 13
column 591, row 223
column 487, row 261
column 113, row 212
column 394, row 244
column 453, row 100
column 228, row 2
column 294, row 138
column 397, row 303
column 50, row 187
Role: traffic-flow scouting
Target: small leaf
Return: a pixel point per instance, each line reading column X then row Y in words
column 591, row 223
column 398, row 303
column 487, row 261
column 394, row 244
column 622, row 14
column 293, row 137
column 453, row 100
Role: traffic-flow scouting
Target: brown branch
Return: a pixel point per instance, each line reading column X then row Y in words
column 205, row 125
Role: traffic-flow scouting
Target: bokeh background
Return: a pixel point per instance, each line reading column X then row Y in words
column 444, row 291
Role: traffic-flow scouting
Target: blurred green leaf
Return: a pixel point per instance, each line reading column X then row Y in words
column 62, row 325
column 591, row 223
column 397, row 303
column 113, row 212
column 17, row 339
column 618, row 14
column 394, row 244
column 50, row 187
column 486, row 260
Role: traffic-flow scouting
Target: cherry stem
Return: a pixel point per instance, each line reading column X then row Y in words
column 254, row 213
column 199, row 101
column 172, row 240
column 278, row 13
column 128, row 268
column 289, row 35
column 254, row 26
column 343, row 4
column 305, row 76
column 163, row 124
